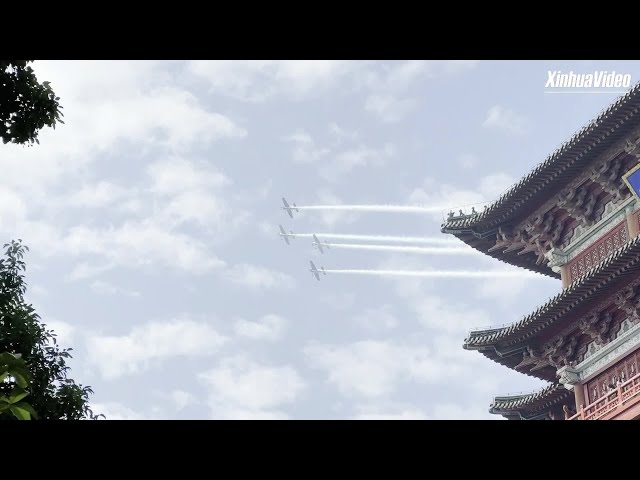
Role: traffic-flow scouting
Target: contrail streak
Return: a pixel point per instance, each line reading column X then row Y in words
column 440, row 273
column 375, row 208
column 402, row 248
column 383, row 238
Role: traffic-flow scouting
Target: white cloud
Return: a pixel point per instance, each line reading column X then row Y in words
column 333, row 163
column 270, row 327
column 504, row 118
column 182, row 399
column 260, row 80
column 372, row 412
column 341, row 164
column 331, row 218
column 177, row 175
column 389, row 108
column 340, row 134
column 116, row 411
column 437, row 314
column 488, row 188
column 106, row 103
column 141, row 243
column 38, row 291
column 99, row 194
column 84, row 270
column 338, row 300
column 65, row 332
column 456, row 66
column 468, row 161
column 240, row 388
column 13, row 208
column 106, row 288
column 148, row 344
column 305, row 149
column 389, row 83
column 373, row 368
column 504, row 291
column 377, row 319
column 453, row 411
column 259, row 278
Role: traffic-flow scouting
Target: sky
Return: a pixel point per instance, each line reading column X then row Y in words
column 152, row 219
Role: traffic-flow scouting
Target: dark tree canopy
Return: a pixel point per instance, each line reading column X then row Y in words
column 26, row 105
column 52, row 394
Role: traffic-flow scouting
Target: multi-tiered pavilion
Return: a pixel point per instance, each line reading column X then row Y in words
column 575, row 217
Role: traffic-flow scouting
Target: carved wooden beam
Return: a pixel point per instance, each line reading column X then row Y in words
column 633, row 148
column 609, row 177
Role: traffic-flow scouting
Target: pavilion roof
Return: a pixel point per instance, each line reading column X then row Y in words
column 505, row 344
column 547, row 179
column 529, row 405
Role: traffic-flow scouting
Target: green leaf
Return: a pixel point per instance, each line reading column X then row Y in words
column 16, row 395
column 20, row 380
column 20, row 413
column 28, row 408
column 3, row 376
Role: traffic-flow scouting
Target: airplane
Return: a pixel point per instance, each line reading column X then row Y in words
column 315, row 271
column 319, row 244
column 285, row 236
column 288, row 208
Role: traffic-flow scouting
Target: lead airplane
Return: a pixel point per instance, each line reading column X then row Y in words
column 285, row 236
column 289, row 209
column 315, row 271
column 319, row 244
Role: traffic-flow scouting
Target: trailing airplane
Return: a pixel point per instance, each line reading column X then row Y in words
column 285, row 236
column 315, row 271
column 317, row 243
column 288, row 208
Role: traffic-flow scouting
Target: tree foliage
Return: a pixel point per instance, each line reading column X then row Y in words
column 14, row 374
column 51, row 394
column 26, row 105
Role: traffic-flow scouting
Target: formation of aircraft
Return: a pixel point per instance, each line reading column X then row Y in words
column 289, row 209
column 317, row 243
column 315, row 271
column 285, row 236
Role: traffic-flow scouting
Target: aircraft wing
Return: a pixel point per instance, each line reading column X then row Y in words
column 284, row 235
column 314, row 270
column 318, row 243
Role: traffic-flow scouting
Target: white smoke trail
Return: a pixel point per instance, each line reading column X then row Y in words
column 440, row 273
column 375, row 208
column 402, row 248
column 383, row 238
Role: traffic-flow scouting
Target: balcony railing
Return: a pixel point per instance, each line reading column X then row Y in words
column 616, row 398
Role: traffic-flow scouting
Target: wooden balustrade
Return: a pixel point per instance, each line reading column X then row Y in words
column 613, row 400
